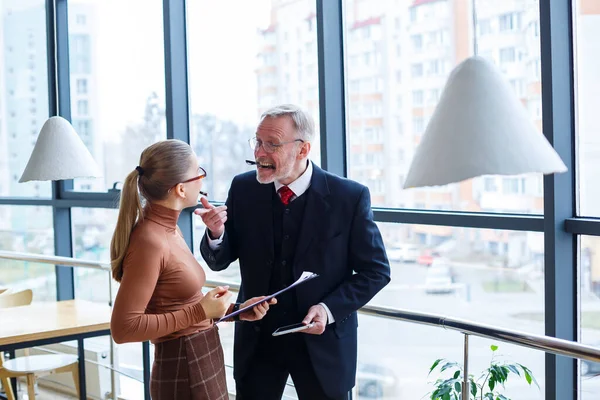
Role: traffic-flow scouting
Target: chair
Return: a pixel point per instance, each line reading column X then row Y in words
column 32, row 367
column 22, row 298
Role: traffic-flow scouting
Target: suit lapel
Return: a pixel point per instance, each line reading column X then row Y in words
column 316, row 217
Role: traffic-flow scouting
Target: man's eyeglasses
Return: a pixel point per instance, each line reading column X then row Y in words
column 269, row 147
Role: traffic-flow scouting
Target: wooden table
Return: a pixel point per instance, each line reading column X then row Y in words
column 53, row 322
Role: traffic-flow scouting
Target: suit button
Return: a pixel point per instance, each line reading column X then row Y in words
column 269, row 262
column 256, row 328
column 283, row 262
column 287, row 211
column 286, row 237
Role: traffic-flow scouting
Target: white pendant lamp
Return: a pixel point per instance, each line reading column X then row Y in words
column 59, row 154
column 479, row 127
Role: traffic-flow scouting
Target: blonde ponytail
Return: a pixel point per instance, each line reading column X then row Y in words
column 130, row 211
column 162, row 165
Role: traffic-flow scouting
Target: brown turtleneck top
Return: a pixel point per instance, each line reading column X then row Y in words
column 159, row 296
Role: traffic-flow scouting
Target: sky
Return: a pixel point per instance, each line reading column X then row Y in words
column 222, row 48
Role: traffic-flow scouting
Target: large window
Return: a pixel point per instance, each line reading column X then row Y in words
column 27, row 229
column 382, row 82
column 395, row 357
column 589, row 329
column 587, row 27
column 117, row 83
column 490, row 276
column 435, row 36
column 587, row 63
column 92, row 233
column 266, row 56
column 23, row 92
column 465, row 272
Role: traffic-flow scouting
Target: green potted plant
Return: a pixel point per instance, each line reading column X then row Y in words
column 449, row 385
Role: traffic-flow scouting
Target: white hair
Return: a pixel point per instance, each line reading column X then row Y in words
column 303, row 122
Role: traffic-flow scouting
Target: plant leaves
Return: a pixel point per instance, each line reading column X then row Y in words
column 494, row 377
column 527, row 372
column 435, row 364
column 448, row 365
column 513, row 369
column 473, row 388
column 528, row 376
column 503, row 373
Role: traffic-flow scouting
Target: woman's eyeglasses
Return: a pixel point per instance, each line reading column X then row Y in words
column 201, row 175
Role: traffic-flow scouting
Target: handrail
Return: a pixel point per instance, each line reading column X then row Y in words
column 40, row 258
column 538, row 342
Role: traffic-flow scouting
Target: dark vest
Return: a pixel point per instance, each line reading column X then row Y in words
column 287, row 221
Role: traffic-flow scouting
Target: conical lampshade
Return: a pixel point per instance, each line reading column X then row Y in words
column 479, row 127
column 59, row 154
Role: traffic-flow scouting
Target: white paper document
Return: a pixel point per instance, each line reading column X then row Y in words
column 306, row 276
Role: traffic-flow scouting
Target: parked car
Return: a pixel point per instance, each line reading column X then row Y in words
column 374, row 381
column 403, row 252
column 427, row 256
column 439, row 278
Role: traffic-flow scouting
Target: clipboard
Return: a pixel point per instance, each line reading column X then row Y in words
column 306, row 276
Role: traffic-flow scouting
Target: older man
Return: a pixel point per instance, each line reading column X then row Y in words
column 286, row 217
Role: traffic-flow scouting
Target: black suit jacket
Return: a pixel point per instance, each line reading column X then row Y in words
column 338, row 240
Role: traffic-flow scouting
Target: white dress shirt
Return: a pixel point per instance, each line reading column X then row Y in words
column 299, row 186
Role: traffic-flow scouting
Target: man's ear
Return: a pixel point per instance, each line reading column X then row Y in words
column 304, row 150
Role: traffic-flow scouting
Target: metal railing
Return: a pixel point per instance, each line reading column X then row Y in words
column 467, row 328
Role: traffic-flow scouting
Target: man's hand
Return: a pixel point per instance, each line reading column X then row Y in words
column 213, row 217
column 258, row 311
column 317, row 315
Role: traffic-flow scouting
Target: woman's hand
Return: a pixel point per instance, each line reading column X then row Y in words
column 216, row 302
column 257, row 312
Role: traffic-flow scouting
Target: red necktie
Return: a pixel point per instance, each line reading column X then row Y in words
column 286, row 194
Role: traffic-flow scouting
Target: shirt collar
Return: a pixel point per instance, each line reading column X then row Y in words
column 300, row 185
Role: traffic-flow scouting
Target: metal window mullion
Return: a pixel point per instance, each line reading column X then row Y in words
column 583, row 226
column 559, row 193
column 59, row 104
column 176, row 90
column 515, row 222
column 332, row 110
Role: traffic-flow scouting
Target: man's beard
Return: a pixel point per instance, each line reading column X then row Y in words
column 279, row 173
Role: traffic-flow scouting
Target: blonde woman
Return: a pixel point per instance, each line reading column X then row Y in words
column 160, row 297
